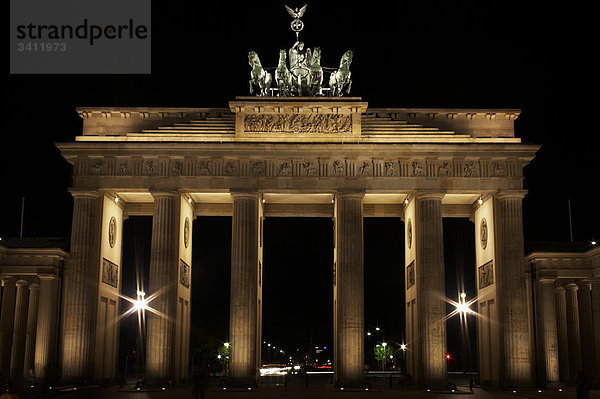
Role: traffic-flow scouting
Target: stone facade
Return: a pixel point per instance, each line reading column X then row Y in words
column 567, row 308
column 264, row 157
column 31, row 270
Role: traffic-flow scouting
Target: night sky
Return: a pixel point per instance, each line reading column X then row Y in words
column 422, row 54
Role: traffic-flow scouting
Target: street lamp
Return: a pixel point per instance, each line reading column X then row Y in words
column 140, row 305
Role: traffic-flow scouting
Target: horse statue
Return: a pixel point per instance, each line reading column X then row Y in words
column 283, row 77
column 258, row 76
column 341, row 76
column 315, row 76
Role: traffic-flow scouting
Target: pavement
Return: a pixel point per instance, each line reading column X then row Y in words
column 318, row 388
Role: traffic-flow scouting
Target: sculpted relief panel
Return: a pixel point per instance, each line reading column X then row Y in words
column 298, row 123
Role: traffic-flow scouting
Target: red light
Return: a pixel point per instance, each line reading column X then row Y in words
column 448, row 357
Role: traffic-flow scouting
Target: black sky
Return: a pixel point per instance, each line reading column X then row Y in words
column 421, row 53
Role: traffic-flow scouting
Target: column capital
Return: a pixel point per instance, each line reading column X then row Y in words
column 159, row 194
column 22, row 283
column 571, row 287
column 511, row 194
column 46, row 276
column 78, row 193
column 34, row 286
column 584, row 284
column 8, row 279
column 241, row 193
column 546, row 280
column 421, row 195
column 559, row 290
column 358, row 194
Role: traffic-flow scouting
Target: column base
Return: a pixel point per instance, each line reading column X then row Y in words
column 358, row 384
column 239, row 384
column 524, row 385
column 158, row 383
column 437, row 386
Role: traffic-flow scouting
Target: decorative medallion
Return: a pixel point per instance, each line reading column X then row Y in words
column 486, row 275
column 186, row 232
column 409, row 233
column 112, row 231
column 483, row 232
column 110, row 273
column 410, row 275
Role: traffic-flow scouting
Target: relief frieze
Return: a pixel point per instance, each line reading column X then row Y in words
column 338, row 167
column 203, row 167
column 390, row 168
column 284, row 168
column 257, row 168
column 470, row 169
column 444, row 168
column 365, row 168
column 417, row 168
column 177, row 167
column 231, row 168
column 298, row 123
column 332, row 167
column 309, row 168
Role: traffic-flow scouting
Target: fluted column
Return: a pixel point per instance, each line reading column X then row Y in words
column 19, row 330
column 81, row 289
column 243, row 325
column 32, row 313
column 350, row 289
column 164, row 269
column 430, row 274
column 573, row 331
column 512, row 291
column 7, row 318
column 45, row 337
column 596, row 320
column 562, row 333
column 548, row 335
column 586, row 328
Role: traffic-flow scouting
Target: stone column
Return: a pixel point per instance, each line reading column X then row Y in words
column 586, row 328
column 32, row 314
column 7, row 319
column 596, row 320
column 243, row 325
column 45, row 338
column 81, row 289
column 512, row 291
column 563, row 336
column 350, row 289
column 19, row 330
column 548, row 334
column 163, row 280
column 573, row 331
column 431, row 287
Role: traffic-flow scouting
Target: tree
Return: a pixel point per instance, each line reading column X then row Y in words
column 223, row 357
column 382, row 354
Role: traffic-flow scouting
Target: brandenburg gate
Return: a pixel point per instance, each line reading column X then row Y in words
column 296, row 156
